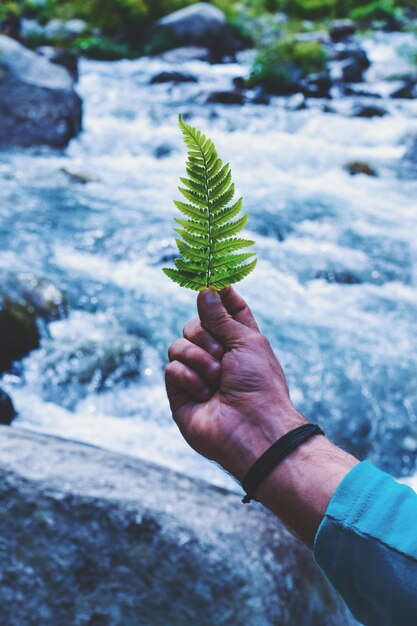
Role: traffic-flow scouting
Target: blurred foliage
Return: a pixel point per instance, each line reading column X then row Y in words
column 276, row 66
column 100, row 48
column 127, row 23
column 9, row 9
column 385, row 11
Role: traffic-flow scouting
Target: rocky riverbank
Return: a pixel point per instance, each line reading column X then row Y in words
column 93, row 538
column 39, row 105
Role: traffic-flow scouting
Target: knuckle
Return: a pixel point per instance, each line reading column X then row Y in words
column 191, row 328
column 261, row 341
column 168, row 371
column 171, row 369
column 173, row 350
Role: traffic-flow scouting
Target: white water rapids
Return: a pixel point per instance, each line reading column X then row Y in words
column 349, row 350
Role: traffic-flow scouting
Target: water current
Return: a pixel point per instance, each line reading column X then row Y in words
column 349, row 348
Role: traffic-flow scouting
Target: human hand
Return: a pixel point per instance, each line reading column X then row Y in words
column 227, row 390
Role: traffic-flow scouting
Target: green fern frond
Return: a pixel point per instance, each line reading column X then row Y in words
column 207, row 243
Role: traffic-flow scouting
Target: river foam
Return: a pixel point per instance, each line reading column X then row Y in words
column 337, row 259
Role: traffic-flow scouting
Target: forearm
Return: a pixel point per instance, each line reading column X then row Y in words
column 362, row 524
column 367, row 547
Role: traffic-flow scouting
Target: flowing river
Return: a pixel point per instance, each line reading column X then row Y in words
column 348, row 346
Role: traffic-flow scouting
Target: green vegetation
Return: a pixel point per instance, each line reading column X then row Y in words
column 117, row 28
column 100, row 48
column 208, row 240
column 9, row 9
column 278, row 66
column 384, row 12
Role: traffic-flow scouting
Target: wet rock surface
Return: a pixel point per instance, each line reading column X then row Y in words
column 173, row 77
column 66, row 59
column 360, row 167
column 7, row 410
column 227, row 97
column 38, row 105
column 93, row 537
column 342, row 29
column 19, row 333
column 23, row 301
column 368, row 110
column 201, row 25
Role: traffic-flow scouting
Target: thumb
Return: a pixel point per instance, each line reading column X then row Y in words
column 215, row 318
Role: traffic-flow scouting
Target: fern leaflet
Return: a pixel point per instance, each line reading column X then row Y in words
column 208, row 235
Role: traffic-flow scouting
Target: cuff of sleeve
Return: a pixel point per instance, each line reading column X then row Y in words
column 347, row 505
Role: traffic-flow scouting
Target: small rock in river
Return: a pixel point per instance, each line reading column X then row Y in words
column 408, row 90
column 173, row 77
column 226, row 97
column 317, row 85
column 259, row 96
column 368, row 110
column 349, row 90
column 239, row 82
column 360, row 167
column 343, row 278
column 352, row 61
column 342, row 29
column 297, row 102
column 7, row 410
column 19, row 333
column 77, row 177
column 162, row 151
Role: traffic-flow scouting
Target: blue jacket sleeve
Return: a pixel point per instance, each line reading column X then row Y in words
column 367, row 547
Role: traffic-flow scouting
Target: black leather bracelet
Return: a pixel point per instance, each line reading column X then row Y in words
column 274, row 455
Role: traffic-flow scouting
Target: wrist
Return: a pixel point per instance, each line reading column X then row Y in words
column 299, row 489
column 248, row 442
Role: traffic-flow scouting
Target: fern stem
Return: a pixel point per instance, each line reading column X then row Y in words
column 209, row 268
column 206, row 182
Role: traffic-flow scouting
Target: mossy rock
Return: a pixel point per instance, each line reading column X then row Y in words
column 281, row 67
column 360, row 167
column 19, row 332
column 23, row 301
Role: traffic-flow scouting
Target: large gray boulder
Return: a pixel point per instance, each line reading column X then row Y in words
column 201, row 25
column 38, row 104
column 92, row 538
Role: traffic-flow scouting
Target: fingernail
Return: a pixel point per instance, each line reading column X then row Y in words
column 210, row 297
